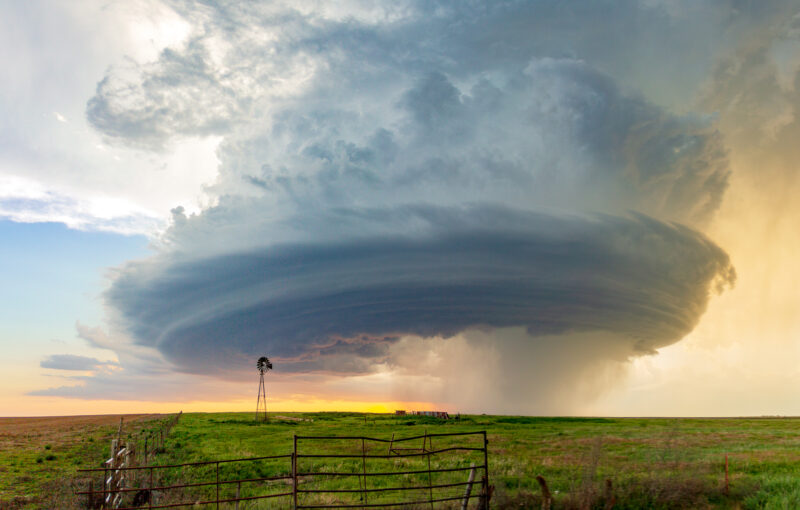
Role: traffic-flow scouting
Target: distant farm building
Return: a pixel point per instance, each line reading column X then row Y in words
column 434, row 414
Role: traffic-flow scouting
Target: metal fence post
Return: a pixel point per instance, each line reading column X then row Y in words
column 217, row 485
column 485, row 471
column 294, row 472
column 364, row 467
column 430, row 480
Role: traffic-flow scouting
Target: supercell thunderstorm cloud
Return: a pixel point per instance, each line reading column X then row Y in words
column 393, row 180
column 643, row 280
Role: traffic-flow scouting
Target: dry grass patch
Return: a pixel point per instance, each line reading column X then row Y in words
column 40, row 456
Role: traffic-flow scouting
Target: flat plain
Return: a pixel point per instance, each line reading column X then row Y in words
column 650, row 462
column 39, row 456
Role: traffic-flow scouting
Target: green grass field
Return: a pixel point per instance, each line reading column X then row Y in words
column 652, row 463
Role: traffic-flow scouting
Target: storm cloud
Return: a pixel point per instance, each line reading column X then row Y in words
column 338, row 307
column 422, row 171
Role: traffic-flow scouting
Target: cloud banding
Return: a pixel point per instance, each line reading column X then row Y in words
column 645, row 281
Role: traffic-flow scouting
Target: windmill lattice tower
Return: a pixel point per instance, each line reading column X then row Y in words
column 263, row 364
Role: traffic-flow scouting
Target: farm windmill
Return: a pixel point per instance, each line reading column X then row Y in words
column 263, row 364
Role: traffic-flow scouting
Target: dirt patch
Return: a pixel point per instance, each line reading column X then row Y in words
column 15, row 427
column 290, row 418
column 55, row 430
column 39, row 456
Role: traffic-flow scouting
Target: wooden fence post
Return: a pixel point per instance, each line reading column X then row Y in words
column 470, row 480
column 112, row 479
column 547, row 499
column 105, row 482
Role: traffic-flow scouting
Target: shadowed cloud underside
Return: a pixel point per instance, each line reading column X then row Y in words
column 338, row 307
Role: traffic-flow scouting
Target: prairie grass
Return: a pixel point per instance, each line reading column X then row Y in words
column 588, row 463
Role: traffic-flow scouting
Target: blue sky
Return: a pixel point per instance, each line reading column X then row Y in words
column 49, row 270
column 53, row 276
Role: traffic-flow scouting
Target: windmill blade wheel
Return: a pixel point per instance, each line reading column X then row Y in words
column 263, row 364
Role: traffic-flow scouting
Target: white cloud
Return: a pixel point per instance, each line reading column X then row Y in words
column 26, row 201
column 54, row 54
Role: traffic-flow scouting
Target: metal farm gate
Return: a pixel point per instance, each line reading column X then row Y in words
column 320, row 472
column 368, row 472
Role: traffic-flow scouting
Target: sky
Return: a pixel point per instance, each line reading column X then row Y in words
column 521, row 207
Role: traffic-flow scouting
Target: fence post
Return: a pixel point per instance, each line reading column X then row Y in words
column 486, row 494
column 238, row 488
column 132, row 462
column 294, row 472
column 150, row 490
column 105, row 482
column 430, row 480
column 468, row 491
column 112, row 478
column 547, row 498
column 364, row 466
column 123, row 474
column 217, row 485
